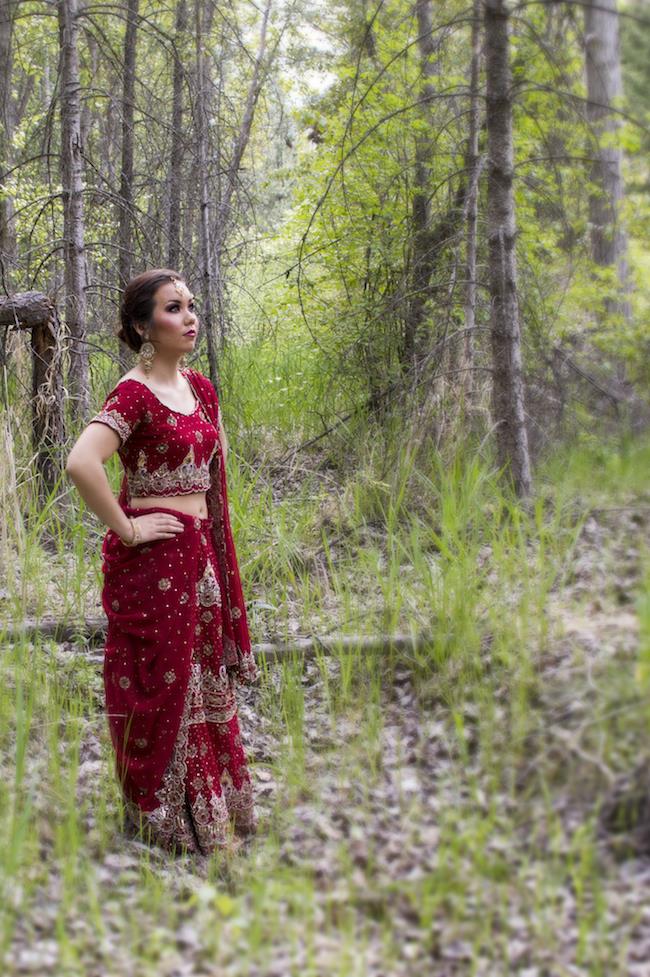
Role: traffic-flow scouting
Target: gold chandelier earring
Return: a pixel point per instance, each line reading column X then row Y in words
column 146, row 354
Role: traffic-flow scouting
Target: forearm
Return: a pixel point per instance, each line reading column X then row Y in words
column 93, row 486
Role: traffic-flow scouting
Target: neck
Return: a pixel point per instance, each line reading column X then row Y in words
column 165, row 372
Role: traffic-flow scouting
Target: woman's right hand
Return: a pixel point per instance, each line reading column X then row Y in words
column 155, row 525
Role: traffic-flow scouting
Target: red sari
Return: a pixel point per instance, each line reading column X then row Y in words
column 176, row 644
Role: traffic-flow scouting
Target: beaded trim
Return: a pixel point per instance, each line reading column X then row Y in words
column 186, row 477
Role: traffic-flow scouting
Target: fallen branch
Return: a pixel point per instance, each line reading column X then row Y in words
column 92, row 632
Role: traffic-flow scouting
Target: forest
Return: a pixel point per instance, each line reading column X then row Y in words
column 418, row 237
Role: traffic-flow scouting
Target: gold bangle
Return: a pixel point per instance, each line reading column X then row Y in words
column 136, row 534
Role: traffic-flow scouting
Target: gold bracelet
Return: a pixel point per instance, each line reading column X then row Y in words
column 136, row 534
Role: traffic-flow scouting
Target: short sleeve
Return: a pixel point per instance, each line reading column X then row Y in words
column 122, row 410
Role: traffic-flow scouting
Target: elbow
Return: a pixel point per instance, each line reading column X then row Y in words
column 73, row 465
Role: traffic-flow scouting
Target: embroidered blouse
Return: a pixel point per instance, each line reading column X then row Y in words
column 163, row 451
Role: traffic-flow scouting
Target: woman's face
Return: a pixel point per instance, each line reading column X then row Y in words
column 173, row 319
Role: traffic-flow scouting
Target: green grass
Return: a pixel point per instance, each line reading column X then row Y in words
column 393, row 544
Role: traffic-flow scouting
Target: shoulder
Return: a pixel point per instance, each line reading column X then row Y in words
column 129, row 389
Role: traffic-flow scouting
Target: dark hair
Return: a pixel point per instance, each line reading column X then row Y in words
column 138, row 302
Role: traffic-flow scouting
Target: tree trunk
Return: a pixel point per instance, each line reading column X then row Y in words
column 126, row 177
column 473, row 173
column 604, row 85
column 73, row 206
column 178, row 140
column 423, row 250
column 224, row 209
column 205, row 241
column 507, row 374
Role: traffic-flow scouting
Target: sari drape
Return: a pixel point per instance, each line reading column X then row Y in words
column 176, row 644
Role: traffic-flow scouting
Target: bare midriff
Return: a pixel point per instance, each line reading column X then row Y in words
column 194, row 503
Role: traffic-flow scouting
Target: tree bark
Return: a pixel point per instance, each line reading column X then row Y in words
column 225, row 204
column 177, row 141
column 126, row 177
column 604, row 85
column 423, row 255
column 205, row 239
column 507, row 373
column 473, row 173
column 73, row 206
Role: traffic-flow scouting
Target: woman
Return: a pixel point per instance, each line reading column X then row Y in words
column 177, row 638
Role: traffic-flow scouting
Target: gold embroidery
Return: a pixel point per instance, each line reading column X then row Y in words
column 113, row 419
column 219, row 700
column 208, row 588
column 147, row 417
column 199, row 436
column 183, row 599
column 206, row 616
column 162, row 447
column 115, row 605
column 240, row 802
column 164, row 583
column 170, row 676
column 172, row 420
column 170, row 822
column 141, row 741
column 210, row 820
column 125, row 681
column 187, row 477
column 235, row 612
column 197, row 522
